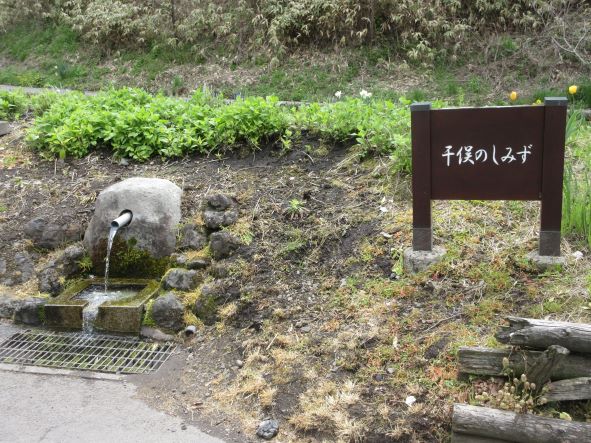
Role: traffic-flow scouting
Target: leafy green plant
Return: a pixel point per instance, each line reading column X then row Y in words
column 296, row 208
column 13, row 104
column 135, row 124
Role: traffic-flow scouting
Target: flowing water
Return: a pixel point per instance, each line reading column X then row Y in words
column 112, row 234
column 96, row 296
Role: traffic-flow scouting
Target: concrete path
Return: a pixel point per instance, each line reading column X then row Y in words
column 52, row 408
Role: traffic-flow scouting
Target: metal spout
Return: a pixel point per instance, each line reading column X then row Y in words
column 123, row 220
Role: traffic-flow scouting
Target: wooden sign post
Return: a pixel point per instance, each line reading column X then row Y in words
column 494, row 153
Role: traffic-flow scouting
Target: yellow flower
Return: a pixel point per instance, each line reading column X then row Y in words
column 572, row 90
column 513, row 96
column 537, row 102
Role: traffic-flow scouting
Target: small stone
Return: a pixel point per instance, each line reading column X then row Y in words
column 390, row 371
column 183, row 426
column 123, row 161
column 51, row 235
column 436, row 348
column 5, row 128
column 2, row 267
column 239, row 363
column 378, row 377
column 192, row 237
column 168, row 312
column 178, row 278
column 178, row 259
column 577, row 255
column 218, row 220
column 25, row 267
column 418, row 261
column 223, row 244
column 306, row 329
column 268, row 429
column 70, row 259
column 29, row 312
column 198, row 263
column 8, row 305
column 49, row 281
column 220, row 202
column 410, row 400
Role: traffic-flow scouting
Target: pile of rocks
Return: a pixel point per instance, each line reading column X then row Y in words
column 191, row 271
column 199, row 265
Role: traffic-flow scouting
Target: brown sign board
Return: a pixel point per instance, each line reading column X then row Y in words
column 490, row 153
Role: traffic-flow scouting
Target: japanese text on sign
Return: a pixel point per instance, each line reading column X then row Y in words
column 468, row 155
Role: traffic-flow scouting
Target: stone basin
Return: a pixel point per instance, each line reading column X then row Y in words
column 124, row 316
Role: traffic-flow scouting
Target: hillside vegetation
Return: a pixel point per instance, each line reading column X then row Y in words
column 300, row 50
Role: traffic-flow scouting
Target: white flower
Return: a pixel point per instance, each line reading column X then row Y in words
column 577, row 255
column 365, row 94
column 410, row 400
column 338, row 94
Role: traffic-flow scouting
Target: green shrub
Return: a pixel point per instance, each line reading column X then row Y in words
column 13, row 104
column 138, row 125
column 135, row 124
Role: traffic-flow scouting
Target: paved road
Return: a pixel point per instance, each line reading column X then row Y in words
column 52, row 408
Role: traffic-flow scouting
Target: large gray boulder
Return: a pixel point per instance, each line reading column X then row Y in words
column 168, row 312
column 156, row 207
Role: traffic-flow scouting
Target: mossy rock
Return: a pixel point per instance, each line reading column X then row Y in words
column 127, row 260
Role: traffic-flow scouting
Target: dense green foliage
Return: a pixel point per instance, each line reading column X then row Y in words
column 15, row 104
column 576, row 208
column 138, row 125
column 421, row 30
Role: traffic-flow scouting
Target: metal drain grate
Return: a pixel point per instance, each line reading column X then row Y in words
column 83, row 351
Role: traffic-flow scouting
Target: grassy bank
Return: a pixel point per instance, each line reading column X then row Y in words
column 52, row 55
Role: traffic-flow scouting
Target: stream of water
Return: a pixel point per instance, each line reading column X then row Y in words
column 96, row 296
column 112, row 234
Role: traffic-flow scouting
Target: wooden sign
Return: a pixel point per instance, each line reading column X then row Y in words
column 495, row 153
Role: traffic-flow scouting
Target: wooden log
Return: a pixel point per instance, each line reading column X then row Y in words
column 487, row 361
column 523, row 428
column 572, row 389
column 541, row 334
column 541, row 369
column 470, row 438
